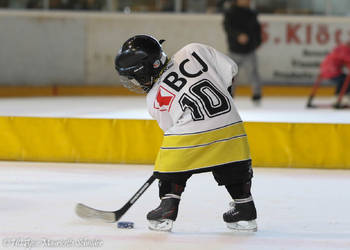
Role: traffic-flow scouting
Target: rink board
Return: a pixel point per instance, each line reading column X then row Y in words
column 273, row 144
column 61, row 90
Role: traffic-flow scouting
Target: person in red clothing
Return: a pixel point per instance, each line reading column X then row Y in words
column 332, row 67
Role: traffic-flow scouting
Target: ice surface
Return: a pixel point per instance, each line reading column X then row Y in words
column 272, row 109
column 300, row 209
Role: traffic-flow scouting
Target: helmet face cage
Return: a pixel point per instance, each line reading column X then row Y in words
column 136, row 78
column 139, row 62
column 132, row 84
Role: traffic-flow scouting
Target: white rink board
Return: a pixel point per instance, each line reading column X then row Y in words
column 297, row 208
column 272, row 109
column 84, row 44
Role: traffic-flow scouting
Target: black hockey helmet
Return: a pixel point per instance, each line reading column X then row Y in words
column 139, row 62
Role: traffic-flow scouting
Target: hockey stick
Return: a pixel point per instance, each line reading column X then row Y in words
column 86, row 212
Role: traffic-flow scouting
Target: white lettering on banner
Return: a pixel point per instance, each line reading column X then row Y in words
column 295, row 50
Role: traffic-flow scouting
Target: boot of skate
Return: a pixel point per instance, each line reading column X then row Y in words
column 242, row 215
column 163, row 217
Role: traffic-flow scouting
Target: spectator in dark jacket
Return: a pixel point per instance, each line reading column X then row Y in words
column 244, row 37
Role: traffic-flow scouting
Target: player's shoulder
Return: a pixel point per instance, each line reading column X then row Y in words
column 199, row 48
column 194, row 46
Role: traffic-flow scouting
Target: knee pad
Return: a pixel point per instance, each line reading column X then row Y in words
column 171, row 183
column 239, row 190
column 233, row 173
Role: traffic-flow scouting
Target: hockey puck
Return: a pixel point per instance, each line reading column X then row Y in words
column 126, row 224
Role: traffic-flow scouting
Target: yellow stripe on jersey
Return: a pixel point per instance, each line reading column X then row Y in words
column 188, row 152
column 194, row 139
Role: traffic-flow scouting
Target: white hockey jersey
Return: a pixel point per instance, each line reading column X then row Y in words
column 192, row 104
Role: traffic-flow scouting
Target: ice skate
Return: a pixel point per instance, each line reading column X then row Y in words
column 241, row 217
column 162, row 218
column 256, row 98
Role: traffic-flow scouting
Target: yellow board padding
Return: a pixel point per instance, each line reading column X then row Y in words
column 299, row 145
column 79, row 140
column 138, row 142
column 205, row 137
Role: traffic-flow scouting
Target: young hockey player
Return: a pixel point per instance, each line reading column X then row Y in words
column 189, row 96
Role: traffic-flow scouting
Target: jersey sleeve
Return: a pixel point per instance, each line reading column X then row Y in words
column 162, row 117
column 224, row 65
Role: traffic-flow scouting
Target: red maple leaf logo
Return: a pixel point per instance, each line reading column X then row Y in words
column 164, row 99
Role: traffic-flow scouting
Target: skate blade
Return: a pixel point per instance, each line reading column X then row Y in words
column 162, row 225
column 243, row 226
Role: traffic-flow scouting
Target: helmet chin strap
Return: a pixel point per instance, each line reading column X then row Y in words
column 164, row 60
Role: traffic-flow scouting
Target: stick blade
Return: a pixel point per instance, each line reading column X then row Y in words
column 87, row 212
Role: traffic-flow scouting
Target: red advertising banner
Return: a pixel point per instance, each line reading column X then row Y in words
column 293, row 48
